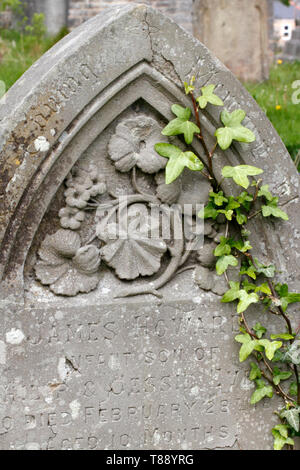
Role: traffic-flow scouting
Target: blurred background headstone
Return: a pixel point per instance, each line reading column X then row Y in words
column 239, row 32
column 55, row 11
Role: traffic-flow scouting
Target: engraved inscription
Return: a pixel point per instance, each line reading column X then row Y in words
column 153, row 377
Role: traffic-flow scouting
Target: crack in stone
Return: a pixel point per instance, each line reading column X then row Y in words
column 70, row 364
column 156, row 55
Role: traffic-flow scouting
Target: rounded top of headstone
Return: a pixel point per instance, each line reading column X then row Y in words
column 45, row 112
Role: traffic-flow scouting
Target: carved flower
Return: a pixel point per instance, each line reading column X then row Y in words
column 71, row 217
column 77, row 198
column 167, row 193
column 133, row 144
column 65, row 267
column 89, row 179
column 130, row 249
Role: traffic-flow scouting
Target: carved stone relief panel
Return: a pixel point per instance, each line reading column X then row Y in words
column 115, row 212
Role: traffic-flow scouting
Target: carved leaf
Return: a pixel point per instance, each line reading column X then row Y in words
column 131, row 251
column 65, row 267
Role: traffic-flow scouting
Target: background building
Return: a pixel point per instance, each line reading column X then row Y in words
column 285, row 21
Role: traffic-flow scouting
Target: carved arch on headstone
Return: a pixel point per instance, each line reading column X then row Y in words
column 153, row 71
column 140, row 82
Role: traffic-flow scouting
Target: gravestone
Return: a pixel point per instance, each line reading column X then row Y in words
column 180, row 11
column 105, row 342
column 291, row 50
column 238, row 32
column 55, row 11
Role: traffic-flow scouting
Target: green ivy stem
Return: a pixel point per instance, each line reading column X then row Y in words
column 288, row 323
column 234, row 130
column 209, row 154
column 290, row 330
column 281, row 312
column 278, row 389
column 257, row 190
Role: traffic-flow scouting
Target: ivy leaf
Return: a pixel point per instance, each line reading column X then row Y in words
column 282, row 290
column 244, row 199
column 241, row 218
column 270, row 347
column 255, row 372
column 181, row 113
column 246, row 300
column 233, row 129
column 280, row 442
column 248, row 286
column 268, row 271
column 249, row 270
column 293, row 353
column 223, row 248
column 218, row 198
column 224, row 137
column 232, row 204
column 284, row 336
column 181, row 125
column 208, row 96
column 242, row 246
column 264, row 288
column 264, row 192
column 282, row 429
column 228, row 214
column 259, row 330
column 209, row 212
column 263, row 390
column 224, row 262
column 280, row 375
column 248, row 346
column 272, row 209
column 280, row 433
column 240, row 174
column 178, row 160
column 291, row 298
column 233, row 293
column 292, row 417
column 278, row 356
column 243, row 339
column 293, row 391
column 286, row 297
column 189, row 87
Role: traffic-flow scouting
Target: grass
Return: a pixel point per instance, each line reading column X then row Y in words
column 275, row 98
column 19, row 51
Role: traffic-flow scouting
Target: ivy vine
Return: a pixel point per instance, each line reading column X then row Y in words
column 276, row 357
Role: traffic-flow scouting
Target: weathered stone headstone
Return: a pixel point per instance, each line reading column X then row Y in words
column 238, row 32
column 55, row 11
column 81, row 364
column 180, row 11
column 291, row 50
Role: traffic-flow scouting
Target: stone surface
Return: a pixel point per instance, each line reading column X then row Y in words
column 79, row 367
column 239, row 33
